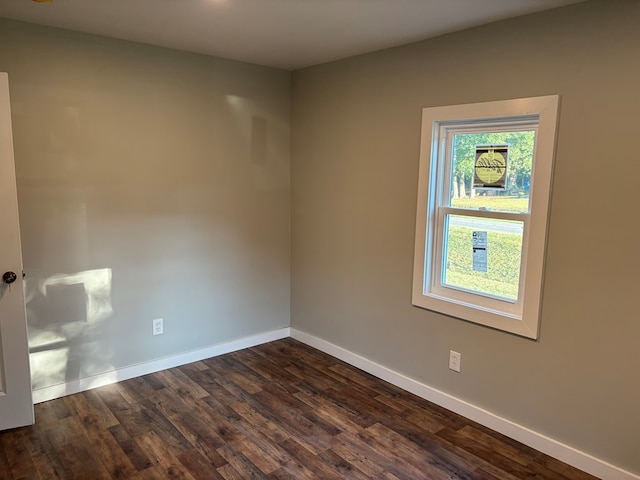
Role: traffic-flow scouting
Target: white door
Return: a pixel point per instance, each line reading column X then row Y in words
column 16, row 405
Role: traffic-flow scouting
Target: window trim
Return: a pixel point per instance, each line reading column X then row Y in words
column 524, row 320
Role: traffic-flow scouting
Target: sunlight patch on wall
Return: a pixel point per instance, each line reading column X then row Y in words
column 77, row 307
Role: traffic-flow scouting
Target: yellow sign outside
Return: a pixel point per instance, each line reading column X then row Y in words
column 490, row 169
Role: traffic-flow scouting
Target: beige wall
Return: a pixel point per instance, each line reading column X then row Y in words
column 151, row 183
column 355, row 151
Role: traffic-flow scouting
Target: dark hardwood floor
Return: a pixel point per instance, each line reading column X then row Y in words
column 280, row 411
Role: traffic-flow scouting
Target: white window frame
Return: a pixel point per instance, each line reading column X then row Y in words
column 522, row 316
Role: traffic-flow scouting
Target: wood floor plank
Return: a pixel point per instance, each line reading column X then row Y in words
column 198, row 466
column 290, row 412
column 180, row 383
column 212, row 383
column 342, row 419
column 494, row 457
column 281, row 410
column 344, row 401
column 321, row 467
column 266, row 460
column 18, row 458
column 5, row 467
column 109, row 452
column 549, row 463
column 60, row 409
column 44, row 457
column 358, row 459
column 69, row 431
column 105, row 448
column 137, row 389
column 191, row 419
column 128, row 414
column 371, row 452
column 134, row 453
column 275, row 374
column 240, row 463
column 45, row 417
column 163, row 456
column 158, row 423
column 409, row 452
column 268, row 428
column 94, row 404
column 259, row 448
column 343, row 467
column 504, row 449
column 294, row 470
column 229, row 473
column 79, row 461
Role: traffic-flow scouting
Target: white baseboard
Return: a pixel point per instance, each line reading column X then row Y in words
column 76, row 386
column 538, row 441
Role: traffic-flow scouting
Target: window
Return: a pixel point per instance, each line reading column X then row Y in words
column 483, row 198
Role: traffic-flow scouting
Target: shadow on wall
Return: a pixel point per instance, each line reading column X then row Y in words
column 77, row 307
column 266, row 142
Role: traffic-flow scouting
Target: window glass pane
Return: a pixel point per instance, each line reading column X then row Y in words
column 507, row 187
column 482, row 255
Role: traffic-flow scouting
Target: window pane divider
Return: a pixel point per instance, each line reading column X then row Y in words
column 492, row 214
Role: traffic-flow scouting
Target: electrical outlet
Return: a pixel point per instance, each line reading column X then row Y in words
column 158, row 328
column 454, row 360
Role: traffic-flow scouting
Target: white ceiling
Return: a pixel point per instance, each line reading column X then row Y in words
column 287, row 34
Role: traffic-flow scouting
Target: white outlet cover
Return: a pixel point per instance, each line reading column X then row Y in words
column 454, row 360
column 158, row 328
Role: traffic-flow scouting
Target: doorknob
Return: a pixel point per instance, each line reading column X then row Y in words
column 9, row 277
